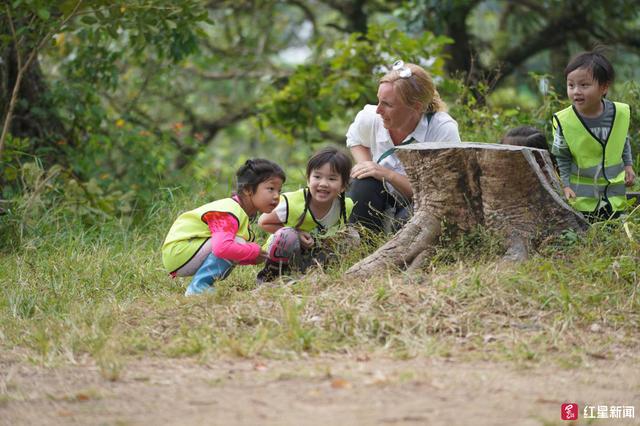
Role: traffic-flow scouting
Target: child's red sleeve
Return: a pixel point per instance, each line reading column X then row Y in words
column 224, row 227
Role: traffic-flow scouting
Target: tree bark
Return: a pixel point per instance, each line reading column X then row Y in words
column 34, row 116
column 508, row 189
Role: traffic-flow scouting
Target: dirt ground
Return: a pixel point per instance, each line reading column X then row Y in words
column 326, row 391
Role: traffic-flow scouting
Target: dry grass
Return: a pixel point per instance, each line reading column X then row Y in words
column 107, row 297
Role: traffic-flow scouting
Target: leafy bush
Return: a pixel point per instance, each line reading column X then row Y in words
column 327, row 93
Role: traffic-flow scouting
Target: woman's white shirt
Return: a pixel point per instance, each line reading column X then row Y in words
column 368, row 130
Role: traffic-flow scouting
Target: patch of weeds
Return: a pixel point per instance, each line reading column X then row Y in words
column 54, row 308
column 82, row 395
column 570, row 362
column 300, row 336
column 5, row 399
column 247, row 346
column 561, row 242
column 477, row 245
column 191, row 341
column 105, row 347
column 111, row 366
column 22, row 305
column 407, row 376
column 523, row 352
column 381, row 294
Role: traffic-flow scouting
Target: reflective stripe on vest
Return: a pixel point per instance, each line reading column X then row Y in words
column 597, row 172
column 295, row 208
column 598, row 191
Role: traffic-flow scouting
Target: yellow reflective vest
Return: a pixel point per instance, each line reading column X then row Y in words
column 190, row 231
column 597, row 172
column 295, row 208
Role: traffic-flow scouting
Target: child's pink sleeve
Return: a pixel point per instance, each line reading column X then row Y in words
column 224, row 228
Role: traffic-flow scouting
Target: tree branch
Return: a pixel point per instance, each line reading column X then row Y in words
column 306, row 11
column 237, row 74
column 22, row 68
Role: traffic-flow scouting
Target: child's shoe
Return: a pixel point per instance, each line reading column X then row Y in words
column 271, row 271
column 213, row 268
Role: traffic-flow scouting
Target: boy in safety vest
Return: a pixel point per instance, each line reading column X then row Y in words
column 590, row 143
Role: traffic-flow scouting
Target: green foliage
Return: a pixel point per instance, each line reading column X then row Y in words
column 151, row 92
column 343, row 79
column 484, row 122
column 104, row 159
column 629, row 92
column 165, row 25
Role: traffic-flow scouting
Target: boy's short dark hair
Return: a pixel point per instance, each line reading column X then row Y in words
column 594, row 61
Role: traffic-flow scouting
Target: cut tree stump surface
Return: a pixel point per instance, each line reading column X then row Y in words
column 508, row 189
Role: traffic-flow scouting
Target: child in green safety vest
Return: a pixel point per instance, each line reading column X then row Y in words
column 209, row 241
column 302, row 217
column 591, row 142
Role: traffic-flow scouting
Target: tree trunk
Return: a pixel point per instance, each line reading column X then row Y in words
column 35, row 116
column 509, row 189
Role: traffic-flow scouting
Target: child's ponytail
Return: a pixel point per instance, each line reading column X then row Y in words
column 307, row 199
column 255, row 171
column 343, row 208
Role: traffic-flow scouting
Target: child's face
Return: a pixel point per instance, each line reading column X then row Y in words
column 267, row 195
column 325, row 184
column 585, row 92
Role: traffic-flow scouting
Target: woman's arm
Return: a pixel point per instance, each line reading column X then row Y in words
column 399, row 182
column 361, row 153
column 370, row 169
column 365, row 168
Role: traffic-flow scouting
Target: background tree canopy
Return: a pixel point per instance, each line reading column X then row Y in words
column 104, row 102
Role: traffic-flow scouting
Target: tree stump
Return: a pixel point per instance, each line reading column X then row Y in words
column 509, row 189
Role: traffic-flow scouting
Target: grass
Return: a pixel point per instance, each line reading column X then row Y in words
column 101, row 292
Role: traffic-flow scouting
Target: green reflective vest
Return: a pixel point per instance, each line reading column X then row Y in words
column 295, row 208
column 190, row 231
column 597, row 172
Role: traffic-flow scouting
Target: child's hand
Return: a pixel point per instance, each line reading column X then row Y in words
column 306, row 239
column 262, row 257
column 568, row 193
column 629, row 175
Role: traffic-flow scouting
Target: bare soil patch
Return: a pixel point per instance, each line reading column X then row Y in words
column 323, row 391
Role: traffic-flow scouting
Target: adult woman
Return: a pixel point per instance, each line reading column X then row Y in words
column 409, row 110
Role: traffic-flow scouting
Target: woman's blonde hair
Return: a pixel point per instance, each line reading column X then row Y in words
column 419, row 87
